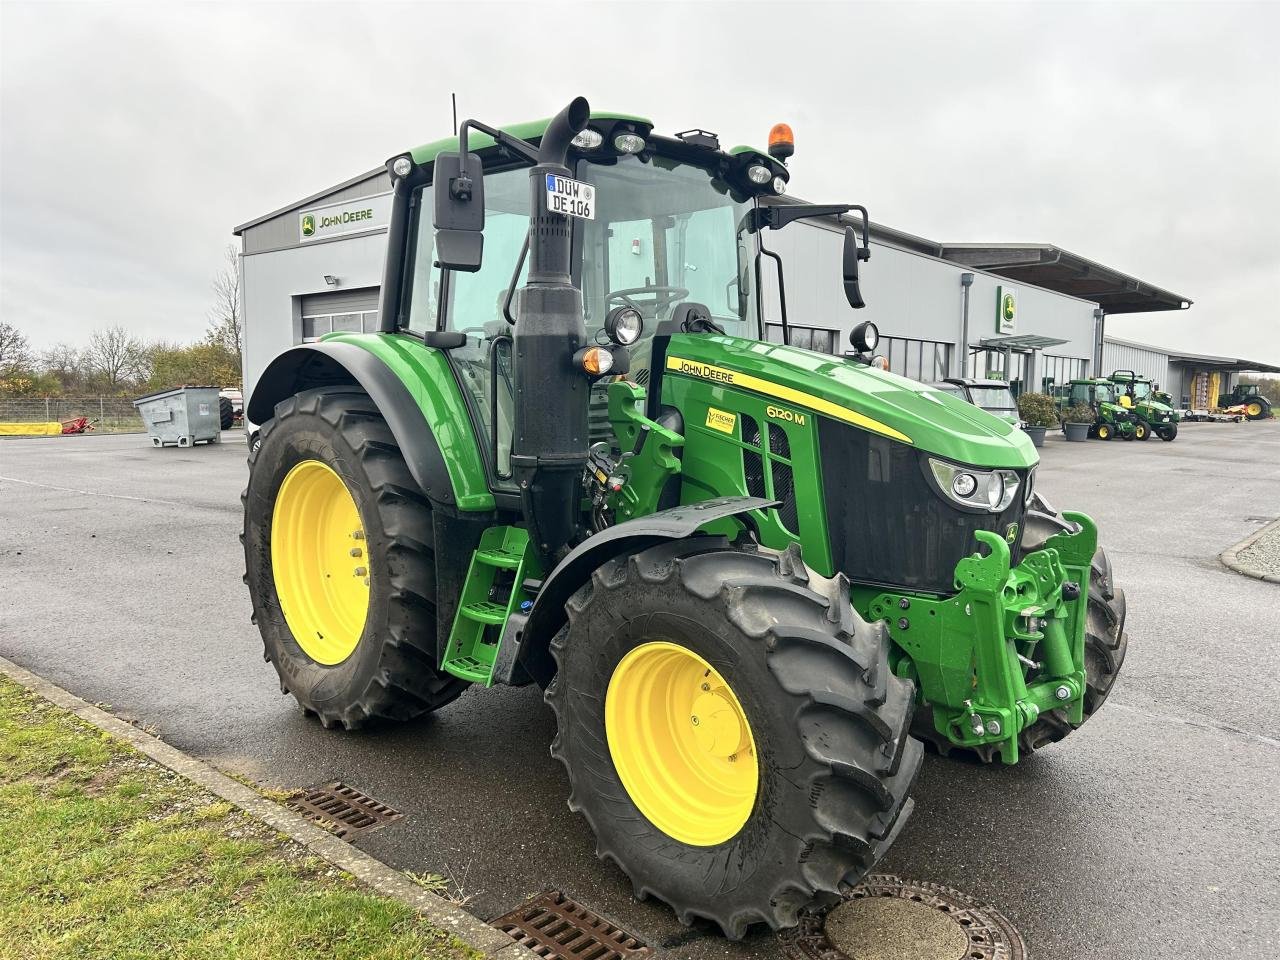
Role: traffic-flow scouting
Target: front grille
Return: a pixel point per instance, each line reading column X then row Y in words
column 887, row 525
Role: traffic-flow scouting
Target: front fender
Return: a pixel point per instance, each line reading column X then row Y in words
column 418, row 412
column 525, row 642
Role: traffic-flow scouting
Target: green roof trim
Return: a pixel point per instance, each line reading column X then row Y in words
column 529, row 130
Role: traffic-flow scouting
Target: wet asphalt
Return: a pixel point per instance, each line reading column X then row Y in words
column 1152, row 832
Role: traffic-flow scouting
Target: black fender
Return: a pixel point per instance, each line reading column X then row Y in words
column 523, row 653
column 323, row 364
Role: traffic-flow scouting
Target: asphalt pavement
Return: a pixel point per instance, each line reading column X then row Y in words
column 1152, row 832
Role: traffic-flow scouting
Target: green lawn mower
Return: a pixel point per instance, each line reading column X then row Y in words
column 751, row 579
column 1111, row 418
column 1142, row 399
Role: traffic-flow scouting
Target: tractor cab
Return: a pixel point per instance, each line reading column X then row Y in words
column 1141, row 398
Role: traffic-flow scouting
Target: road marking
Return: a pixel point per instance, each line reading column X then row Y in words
column 1204, row 724
column 95, row 493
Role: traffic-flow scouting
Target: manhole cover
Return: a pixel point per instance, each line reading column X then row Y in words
column 886, row 918
column 344, row 808
column 555, row 926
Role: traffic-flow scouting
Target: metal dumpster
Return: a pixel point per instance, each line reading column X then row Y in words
column 182, row 416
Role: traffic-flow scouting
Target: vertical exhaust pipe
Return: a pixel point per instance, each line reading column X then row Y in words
column 550, row 437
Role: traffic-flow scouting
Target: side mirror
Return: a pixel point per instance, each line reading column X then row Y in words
column 852, row 255
column 459, row 212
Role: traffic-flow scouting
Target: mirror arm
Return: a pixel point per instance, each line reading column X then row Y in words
column 463, row 181
column 511, row 288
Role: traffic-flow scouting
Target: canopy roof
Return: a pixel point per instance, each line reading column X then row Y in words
column 1053, row 268
column 1020, row 341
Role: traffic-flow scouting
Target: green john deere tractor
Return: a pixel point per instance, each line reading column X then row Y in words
column 750, row 578
column 1141, row 398
column 1246, row 399
column 1112, row 418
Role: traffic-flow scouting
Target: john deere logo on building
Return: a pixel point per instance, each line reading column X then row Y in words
column 308, row 224
column 1006, row 310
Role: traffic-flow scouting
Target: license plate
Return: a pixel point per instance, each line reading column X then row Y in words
column 573, row 198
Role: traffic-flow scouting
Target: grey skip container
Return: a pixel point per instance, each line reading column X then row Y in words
column 182, row 416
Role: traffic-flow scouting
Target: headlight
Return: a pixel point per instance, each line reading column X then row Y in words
column 588, row 139
column 628, row 143
column 402, row 166
column 779, row 186
column 989, row 490
column 1031, row 483
column 758, row 173
column 623, row 325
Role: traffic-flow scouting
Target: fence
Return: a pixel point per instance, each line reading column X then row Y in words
column 107, row 413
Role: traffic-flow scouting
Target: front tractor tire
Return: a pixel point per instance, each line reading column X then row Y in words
column 338, row 560
column 731, row 730
column 1141, row 430
column 1167, row 431
column 1103, row 431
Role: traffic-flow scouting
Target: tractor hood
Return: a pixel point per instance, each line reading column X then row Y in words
column 871, row 399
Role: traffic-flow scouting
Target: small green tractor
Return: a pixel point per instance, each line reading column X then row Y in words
column 1246, row 399
column 1142, row 399
column 1111, row 417
column 751, row 579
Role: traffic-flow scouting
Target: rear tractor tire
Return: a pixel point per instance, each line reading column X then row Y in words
column 731, row 730
column 338, row 560
column 226, row 414
column 1258, row 408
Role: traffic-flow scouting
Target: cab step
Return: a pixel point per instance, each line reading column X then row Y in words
column 494, row 588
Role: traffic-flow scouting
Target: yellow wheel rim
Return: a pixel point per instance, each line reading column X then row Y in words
column 681, row 744
column 1254, row 409
column 318, row 561
column 1104, row 432
column 1140, row 431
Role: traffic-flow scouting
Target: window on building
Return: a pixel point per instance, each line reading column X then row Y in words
column 818, row 339
column 1061, row 369
column 924, row 360
column 315, row 326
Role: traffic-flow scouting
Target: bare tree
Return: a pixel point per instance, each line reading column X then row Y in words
column 117, row 356
column 15, row 350
column 66, row 362
column 226, row 324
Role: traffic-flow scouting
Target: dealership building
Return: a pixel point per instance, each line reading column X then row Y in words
column 1028, row 313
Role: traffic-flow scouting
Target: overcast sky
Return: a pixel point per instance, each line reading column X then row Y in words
column 1146, row 136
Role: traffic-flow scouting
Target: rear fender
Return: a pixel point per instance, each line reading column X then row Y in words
column 524, row 653
column 457, row 483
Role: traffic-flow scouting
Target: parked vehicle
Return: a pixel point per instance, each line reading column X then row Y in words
column 1142, row 398
column 738, row 597
column 993, row 396
column 1111, row 418
column 1245, row 400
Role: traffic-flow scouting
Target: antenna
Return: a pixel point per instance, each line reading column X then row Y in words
column 454, row 98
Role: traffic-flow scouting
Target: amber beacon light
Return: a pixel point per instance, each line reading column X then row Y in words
column 782, row 142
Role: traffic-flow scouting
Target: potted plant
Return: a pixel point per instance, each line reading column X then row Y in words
column 1077, row 421
column 1038, row 412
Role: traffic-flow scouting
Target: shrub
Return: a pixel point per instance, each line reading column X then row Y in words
column 1038, row 410
column 1080, row 413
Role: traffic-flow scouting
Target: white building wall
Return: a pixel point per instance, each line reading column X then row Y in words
column 912, row 295
column 273, row 284
column 1146, row 361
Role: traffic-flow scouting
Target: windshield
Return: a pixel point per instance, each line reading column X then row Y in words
column 993, row 398
column 1104, row 393
column 1141, row 390
column 665, row 233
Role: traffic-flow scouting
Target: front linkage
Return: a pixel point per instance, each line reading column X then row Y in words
column 1009, row 646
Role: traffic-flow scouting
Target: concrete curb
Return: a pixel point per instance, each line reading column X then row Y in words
column 469, row 929
column 1231, row 560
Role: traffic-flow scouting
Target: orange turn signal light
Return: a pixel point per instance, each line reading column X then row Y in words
column 782, row 142
column 596, row 360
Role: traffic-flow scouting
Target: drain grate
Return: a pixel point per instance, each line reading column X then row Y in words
column 557, row 927
column 885, row 916
column 344, row 808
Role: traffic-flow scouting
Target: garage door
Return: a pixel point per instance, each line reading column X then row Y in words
column 353, row 310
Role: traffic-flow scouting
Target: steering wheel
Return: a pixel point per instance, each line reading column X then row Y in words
column 663, row 296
